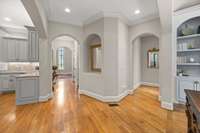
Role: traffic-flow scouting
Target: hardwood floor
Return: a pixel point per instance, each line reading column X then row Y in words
column 69, row 113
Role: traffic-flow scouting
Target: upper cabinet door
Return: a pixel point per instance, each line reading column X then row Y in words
column 22, row 50
column 3, row 50
column 11, row 49
column 14, row 50
column 33, row 46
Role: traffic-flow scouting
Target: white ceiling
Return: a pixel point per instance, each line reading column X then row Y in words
column 82, row 10
column 16, row 11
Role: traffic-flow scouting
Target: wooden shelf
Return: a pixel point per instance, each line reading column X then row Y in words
column 189, row 36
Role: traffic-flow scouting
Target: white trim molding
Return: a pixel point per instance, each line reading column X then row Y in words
column 167, row 105
column 105, row 98
column 150, row 84
column 159, row 97
column 137, row 86
column 46, row 97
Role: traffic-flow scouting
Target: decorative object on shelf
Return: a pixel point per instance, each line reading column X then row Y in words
column 179, row 32
column 187, row 30
column 190, row 46
column 37, row 68
column 198, row 31
column 180, row 73
column 196, row 85
column 192, row 60
column 153, row 58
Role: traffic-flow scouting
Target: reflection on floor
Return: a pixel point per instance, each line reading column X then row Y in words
column 69, row 113
column 64, row 76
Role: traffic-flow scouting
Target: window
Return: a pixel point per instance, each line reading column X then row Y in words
column 60, row 58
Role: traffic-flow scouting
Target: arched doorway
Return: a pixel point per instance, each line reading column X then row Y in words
column 65, row 56
column 144, row 61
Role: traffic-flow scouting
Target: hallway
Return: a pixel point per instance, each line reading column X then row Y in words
column 67, row 113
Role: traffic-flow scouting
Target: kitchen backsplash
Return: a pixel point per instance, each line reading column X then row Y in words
column 16, row 66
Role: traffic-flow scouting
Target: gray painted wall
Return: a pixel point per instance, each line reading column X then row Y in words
column 137, row 62
column 148, row 75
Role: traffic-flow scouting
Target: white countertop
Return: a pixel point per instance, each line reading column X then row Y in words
column 35, row 74
column 19, row 74
column 12, row 72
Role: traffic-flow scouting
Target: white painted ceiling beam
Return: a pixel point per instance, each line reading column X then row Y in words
column 37, row 16
column 165, row 13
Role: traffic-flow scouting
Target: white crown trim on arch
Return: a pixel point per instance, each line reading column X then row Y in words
column 143, row 33
column 60, row 35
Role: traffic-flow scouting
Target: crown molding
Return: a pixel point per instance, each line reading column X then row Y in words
column 121, row 17
column 106, row 15
column 144, row 19
column 13, row 29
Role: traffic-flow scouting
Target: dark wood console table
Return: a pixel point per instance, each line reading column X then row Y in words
column 193, row 110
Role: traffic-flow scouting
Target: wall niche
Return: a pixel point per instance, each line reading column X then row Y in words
column 93, row 54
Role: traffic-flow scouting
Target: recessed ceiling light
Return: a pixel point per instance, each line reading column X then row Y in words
column 7, row 19
column 67, row 10
column 137, row 11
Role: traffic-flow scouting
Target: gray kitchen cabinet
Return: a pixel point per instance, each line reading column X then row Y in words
column 4, row 83
column 185, row 83
column 12, row 56
column 3, row 50
column 22, row 50
column 16, row 50
column 33, row 45
column 27, row 90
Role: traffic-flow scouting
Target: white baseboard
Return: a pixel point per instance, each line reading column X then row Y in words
column 136, row 86
column 46, row 97
column 116, row 98
column 105, row 98
column 150, row 84
column 91, row 94
column 167, row 105
column 159, row 98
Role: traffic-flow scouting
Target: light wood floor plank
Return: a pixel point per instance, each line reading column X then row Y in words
column 68, row 112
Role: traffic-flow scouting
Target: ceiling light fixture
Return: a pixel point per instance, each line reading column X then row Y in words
column 7, row 19
column 137, row 11
column 67, row 10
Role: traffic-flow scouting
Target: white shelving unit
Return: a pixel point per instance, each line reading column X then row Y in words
column 188, row 58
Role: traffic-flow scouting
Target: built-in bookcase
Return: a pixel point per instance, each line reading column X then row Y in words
column 188, row 48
